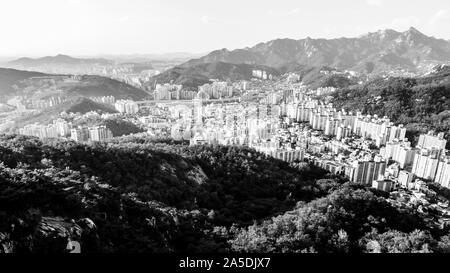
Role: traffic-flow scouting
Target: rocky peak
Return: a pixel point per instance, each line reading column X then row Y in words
column 413, row 35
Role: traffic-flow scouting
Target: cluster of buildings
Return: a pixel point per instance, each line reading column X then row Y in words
column 261, row 74
column 104, row 99
column 231, row 123
column 432, row 161
column 44, row 103
column 170, row 92
column 321, row 91
column 293, row 78
column 341, row 124
column 21, row 103
column 126, row 106
column 292, row 126
column 284, row 121
column 385, row 144
column 215, row 90
column 87, row 134
column 253, row 124
column 60, row 128
column 427, row 161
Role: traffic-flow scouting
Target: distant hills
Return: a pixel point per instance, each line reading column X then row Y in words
column 57, row 60
column 67, row 65
column 138, row 67
column 10, row 77
column 17, row 82
column 196, row 75
column 370, row 53
column 147, row 57
column 103, row 86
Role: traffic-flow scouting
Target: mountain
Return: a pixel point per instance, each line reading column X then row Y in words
column 42, row 86
column 57, row 60
column 67, row 65
column 10, row 77
column 370, row 53
column 196, row 75
column 103, row 86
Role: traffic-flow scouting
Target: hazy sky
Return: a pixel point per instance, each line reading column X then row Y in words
column 89, row 27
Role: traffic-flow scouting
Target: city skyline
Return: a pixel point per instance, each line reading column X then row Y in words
column 90, row 28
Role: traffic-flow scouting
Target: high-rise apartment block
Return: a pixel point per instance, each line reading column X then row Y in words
column 367, row 170
column 432, row 141
column 127, row 106
column 97, row 133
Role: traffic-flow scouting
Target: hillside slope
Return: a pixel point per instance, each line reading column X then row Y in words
column 129, row 197
column 11, row 77
column 419, row 103
column 194, row 76
column 43, row 87
column 102, row 86
column 316, row 77
column 134, row 195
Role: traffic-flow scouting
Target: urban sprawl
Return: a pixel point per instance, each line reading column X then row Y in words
column 282, row 119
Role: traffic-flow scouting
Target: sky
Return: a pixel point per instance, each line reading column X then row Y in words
column 92, row 27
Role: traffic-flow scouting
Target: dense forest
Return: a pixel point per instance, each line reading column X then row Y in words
column 136, row 195
column 421, row 104
column 350, row 219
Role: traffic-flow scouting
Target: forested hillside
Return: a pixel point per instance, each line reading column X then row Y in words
column 351, row 219
column 137, row 195
column 421, row 104
column 10, row 77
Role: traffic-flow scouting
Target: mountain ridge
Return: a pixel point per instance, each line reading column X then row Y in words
column 58, row 59
column 9, row 77
column 371, row 52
